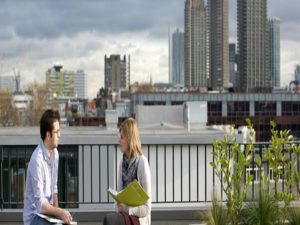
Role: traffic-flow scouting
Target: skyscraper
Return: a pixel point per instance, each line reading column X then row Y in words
column 218, row 40
column 232, row 65
column 176, row 57
column 195, row 44
column 274, row 51
column 116, row 72
column 297, row 73
column 252, row 44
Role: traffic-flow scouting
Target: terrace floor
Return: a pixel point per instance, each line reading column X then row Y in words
column 159, row 216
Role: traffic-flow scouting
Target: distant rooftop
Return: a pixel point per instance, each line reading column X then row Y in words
column 102, row 135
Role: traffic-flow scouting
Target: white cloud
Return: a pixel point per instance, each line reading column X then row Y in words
column 290, row 57
column 86, row 51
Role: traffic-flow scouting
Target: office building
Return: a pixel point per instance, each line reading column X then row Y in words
column 61, row 81
column 195, row 35
column 274, row 51
column 176, row 57
column 81, row 84
column 116, row 72
column 218, row 40
column 252, row 44
column 297, row 73
column 234, row 108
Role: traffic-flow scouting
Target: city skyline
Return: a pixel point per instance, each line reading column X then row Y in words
column 77, row 34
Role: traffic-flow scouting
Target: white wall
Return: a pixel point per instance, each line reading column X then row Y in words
column 156, row 115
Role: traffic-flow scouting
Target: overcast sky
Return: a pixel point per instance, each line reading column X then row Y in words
column 36, row 34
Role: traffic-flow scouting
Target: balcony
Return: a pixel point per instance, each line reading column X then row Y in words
column 182, row 178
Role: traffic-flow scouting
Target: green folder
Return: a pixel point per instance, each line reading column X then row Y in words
column 132, row 195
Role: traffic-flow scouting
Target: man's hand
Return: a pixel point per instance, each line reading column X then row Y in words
column 66, row 216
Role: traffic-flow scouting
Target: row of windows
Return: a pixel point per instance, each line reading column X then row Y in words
column 290, row 108
column 238, row 108
column 265, row 108
column 214, row 108
column 256, row 173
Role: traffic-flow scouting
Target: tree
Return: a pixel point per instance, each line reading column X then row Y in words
column 284, row 166
column 8, row 111
column 230, row 161
column 143, row 87
column 40, row 101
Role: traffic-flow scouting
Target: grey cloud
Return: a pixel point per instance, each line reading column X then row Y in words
column 51, row 18
column 287, row 10
column 46, row 19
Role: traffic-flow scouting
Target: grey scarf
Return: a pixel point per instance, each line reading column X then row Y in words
column 129, row 169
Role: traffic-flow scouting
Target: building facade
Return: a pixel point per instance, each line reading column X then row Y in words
column 195, row 35
column 81, row 84
column 116, row 72
column 274, row 51
column 176, row 57
column 234, row 108
column 252, row 44
column 297, row 73
column 218, row 40
column 61, row 82
column 232, row 65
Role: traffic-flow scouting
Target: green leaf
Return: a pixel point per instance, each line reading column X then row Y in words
column 257, row 160
column 213, row 165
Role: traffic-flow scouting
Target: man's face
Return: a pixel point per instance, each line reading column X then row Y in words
column 55, row 135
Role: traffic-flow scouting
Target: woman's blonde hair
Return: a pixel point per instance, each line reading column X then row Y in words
column 129, row 130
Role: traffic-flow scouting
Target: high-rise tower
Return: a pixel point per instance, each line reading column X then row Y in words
column 176, row 57
column 117, row 72
column 274, row 51
column 252, row 44
column 80, row 84
column 232, row 65
column 218, row 36
column 195, row 44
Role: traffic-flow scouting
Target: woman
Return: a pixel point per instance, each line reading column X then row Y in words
column 134, row 165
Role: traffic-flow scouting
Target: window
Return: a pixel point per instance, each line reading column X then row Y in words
column 265, row 108
column 214, row 108
column 280, row 175
column 238, row 108
column 290, row 108
column 13, row 174
column 255, row 172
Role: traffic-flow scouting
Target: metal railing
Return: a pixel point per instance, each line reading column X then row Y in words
column 181, row 173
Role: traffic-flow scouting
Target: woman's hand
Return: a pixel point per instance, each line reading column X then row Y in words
column 121, row 207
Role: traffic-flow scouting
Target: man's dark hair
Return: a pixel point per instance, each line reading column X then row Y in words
column 47, row 120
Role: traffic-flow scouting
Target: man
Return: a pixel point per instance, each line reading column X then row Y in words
column 41, row 195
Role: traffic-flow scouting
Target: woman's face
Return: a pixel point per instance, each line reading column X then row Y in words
column 123, row 143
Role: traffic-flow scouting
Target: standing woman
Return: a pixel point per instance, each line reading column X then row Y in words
column 134, row 165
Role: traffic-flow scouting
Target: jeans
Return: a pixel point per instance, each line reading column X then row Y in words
column 40, row 221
